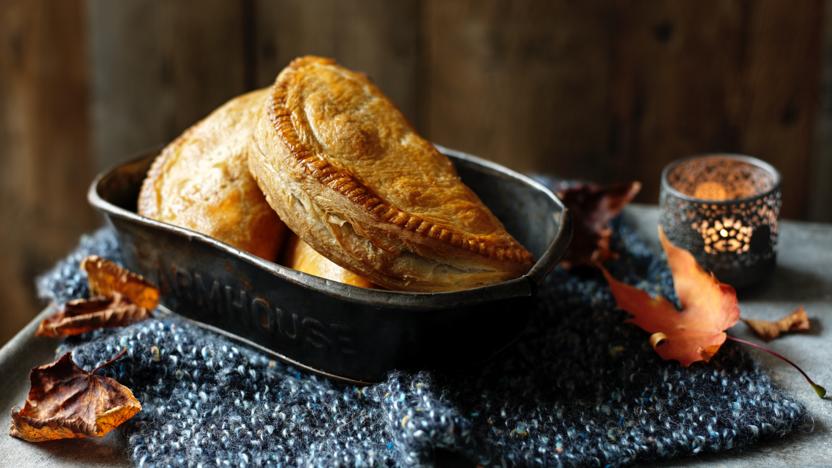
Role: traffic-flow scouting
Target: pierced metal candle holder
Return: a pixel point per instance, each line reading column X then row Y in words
column 723, row 208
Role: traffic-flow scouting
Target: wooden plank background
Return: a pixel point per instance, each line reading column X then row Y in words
column 596, row 90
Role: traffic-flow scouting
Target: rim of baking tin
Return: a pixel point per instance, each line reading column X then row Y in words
column 759, row 163
column 524, row 285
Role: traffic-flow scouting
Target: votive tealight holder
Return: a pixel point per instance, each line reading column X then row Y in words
column 724, row 209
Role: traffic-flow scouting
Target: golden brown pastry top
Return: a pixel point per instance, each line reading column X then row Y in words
column 299, row 255
column 201, row 181
column 335, row 135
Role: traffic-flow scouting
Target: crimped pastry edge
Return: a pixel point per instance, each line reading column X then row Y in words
column 361, row 195
column 406, row 271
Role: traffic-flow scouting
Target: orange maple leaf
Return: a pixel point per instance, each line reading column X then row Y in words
column 708, row 308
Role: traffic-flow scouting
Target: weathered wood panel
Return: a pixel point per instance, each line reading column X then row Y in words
column 45, row 165
column 820, row 189
column 614, row 91
column 678, row 86
column 781, row 87
column 523, row 83
column 158, row 67
column 378, row 37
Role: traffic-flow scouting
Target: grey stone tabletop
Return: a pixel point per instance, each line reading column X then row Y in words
column 803, row 277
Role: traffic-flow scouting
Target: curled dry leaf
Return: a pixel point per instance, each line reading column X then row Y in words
column 797, row 321
column 708, row 308
column 84, row 315
column 592, row 208
column 67, row 402
column 121, row 298
column 107, row 279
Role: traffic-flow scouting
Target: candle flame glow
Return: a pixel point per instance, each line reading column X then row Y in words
column 724, row 235
column 709, row 190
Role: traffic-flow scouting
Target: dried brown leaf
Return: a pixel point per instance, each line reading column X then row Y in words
column 796, row 321
column 108, row 279
column 592, row 208
column 67, row 402
column 84, row 315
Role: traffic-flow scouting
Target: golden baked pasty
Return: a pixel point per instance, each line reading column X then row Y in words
column 299, row 255
column 201, row 181
column 347, row 173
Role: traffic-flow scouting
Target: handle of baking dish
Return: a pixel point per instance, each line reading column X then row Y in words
column 555, row 251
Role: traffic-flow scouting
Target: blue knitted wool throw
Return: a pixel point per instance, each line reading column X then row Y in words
column 581, row 387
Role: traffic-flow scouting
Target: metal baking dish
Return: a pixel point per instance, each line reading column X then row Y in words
column 333, row 329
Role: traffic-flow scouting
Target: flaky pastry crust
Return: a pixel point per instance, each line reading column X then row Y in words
column 201, row 181
column 347, row 173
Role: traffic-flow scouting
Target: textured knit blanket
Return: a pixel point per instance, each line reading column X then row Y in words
column 580, row 387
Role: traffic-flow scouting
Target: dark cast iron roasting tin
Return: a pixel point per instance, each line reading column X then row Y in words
column 337, row 330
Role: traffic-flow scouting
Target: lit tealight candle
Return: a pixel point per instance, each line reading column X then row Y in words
column 710, row 191
column 724, row 209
